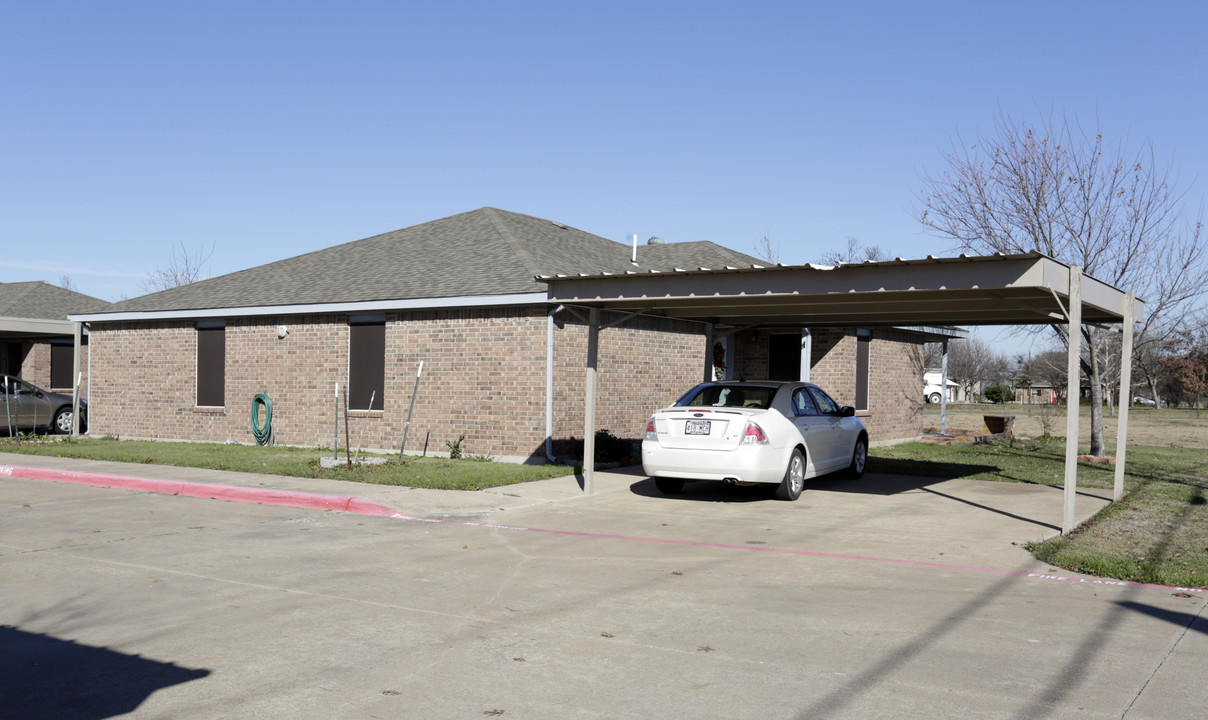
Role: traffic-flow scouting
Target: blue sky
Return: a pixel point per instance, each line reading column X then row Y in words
column 270, row 129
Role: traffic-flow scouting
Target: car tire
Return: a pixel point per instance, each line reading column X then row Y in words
column 669, row 486
column 933, row 398
column 859, row 458
column 794, row 477
column 61, row 424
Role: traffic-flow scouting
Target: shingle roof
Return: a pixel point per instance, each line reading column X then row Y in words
column 482, row 252
column 42, row 301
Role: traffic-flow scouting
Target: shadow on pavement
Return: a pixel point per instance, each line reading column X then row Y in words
column 1190, row 621
column 45, row 677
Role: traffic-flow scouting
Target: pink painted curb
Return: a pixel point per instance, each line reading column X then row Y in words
column 262, row 496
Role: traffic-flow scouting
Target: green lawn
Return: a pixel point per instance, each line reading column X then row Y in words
column 438, row 473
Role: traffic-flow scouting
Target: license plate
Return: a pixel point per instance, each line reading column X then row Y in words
column 697, row 427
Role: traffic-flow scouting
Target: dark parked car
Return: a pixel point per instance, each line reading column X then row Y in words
column 24, row 406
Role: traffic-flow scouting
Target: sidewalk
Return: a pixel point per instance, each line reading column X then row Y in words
column 365, row 498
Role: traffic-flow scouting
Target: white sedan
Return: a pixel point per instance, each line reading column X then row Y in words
column 753, row 432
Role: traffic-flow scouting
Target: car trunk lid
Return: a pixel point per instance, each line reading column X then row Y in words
column 701, row 428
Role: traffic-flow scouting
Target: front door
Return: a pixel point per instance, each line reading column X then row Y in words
column 784, row 357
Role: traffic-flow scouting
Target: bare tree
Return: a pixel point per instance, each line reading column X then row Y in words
column 933, row 355
column 66, row 283
column 1048, row 368
column 972, row 362
column 1052, row 187
column 764, row 248
column 855, row 253
column 183, row 268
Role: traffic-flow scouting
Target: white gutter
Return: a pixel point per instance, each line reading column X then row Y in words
column 320, row 308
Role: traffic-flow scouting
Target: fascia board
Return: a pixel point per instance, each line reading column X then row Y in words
column 323, row 308
column 35, row 326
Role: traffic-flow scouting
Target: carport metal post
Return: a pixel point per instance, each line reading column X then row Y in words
column 807, row 354
column 75, row 373
column 708, row 353
column 944, row 389
column 1126, row 350
column 589, row 410
column 1073, row 399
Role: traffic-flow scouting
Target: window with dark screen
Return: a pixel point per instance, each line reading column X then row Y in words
column 863, row 346
column 211, row 364
column 366, row 362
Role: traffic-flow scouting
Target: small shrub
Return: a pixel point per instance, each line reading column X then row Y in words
column 455, row 447
column 999, row 393
column 610, row 448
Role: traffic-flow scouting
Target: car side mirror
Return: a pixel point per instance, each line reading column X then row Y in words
column 847, row 411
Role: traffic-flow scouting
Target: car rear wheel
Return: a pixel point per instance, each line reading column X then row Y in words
column 62, row 422
column 669, row 486
column 859, row 457
column 794, row 477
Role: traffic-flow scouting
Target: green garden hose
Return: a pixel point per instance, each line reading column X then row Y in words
column 265, row 433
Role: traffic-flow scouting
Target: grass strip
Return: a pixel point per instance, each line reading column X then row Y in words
column 420, row 472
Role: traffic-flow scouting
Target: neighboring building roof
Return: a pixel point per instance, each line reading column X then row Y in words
column 42, row 301
column 485, row 252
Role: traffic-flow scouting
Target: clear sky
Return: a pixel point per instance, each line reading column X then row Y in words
column 268, row 129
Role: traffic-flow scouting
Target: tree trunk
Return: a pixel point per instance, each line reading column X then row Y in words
column 1098, row 448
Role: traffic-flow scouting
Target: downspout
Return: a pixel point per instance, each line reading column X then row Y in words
column 549, row 385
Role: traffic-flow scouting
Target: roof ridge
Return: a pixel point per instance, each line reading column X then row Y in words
column 29, row 286
column 522, row 253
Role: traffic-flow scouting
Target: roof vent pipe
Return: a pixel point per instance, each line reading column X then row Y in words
column 634, row 259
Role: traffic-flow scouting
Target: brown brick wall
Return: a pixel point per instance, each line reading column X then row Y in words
column 35, row 365
column 895, row 376
column 895, row 408
column 484, row 376
column 643, row 364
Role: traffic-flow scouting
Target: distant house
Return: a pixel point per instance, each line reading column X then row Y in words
column 37, row 339
column 1037, row 393
column 501, row 366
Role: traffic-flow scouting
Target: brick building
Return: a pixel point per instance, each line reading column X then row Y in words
column 37, row 340
column 462, row 295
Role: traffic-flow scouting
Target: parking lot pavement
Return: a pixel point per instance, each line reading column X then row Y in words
column 885, row 598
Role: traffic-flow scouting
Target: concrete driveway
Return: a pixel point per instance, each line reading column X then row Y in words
column 885, row 597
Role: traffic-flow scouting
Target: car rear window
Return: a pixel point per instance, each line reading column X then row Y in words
column 759, row 398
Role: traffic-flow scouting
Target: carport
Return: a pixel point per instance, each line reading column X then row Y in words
column 1025, row 289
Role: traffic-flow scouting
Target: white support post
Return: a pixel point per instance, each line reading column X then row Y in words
column 708, row 353
column 589, row 405
column 1073, row 400
column 75, row 378
column 1126, row 350
column 944, row 388
column 807, row 353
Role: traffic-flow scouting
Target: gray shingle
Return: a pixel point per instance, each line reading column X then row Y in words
column 482, row 252
column 42, row 301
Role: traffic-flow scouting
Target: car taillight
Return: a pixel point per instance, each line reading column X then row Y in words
column 651, row 433
column 754, row 434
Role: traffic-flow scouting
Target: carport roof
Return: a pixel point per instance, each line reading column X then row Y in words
column 1029, row 288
